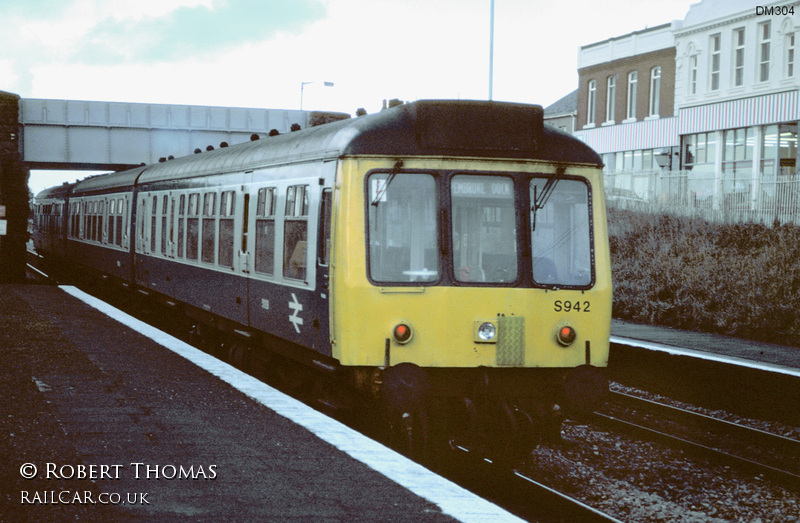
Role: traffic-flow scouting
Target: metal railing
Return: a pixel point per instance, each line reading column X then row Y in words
column 725, row 198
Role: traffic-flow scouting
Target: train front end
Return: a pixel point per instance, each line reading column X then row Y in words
column 474, row 276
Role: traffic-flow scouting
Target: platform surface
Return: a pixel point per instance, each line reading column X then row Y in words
column 726, row 346
column 113, row 425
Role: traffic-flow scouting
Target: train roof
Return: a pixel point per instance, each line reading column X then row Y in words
column 110, row 181
column 423, row 128
column 58, row 191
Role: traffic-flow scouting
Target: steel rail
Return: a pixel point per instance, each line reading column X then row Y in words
column 525, row 496
column 784, row 476
column 752, row 435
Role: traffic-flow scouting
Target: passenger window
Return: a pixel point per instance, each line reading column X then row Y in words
column 117, row 226
column 86, row 221
column 112, row 211
column 172, row 225
column 265, row 230
column 142, row 219
column 192, row 226
column 73, row 214
column 181, row 224
column 153, row 223
column 93, row 235
column 102, row 218
column 209, row 226
column 164, row 208
column 295, row 233
column 226, row 211
column 122, row 218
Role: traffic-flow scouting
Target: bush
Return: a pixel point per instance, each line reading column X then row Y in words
column 740, row 280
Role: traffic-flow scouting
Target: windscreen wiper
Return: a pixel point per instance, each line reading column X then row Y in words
column 378, row 197
column 540, row 200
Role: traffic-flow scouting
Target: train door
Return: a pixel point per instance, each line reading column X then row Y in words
column 256, row 253
column 244, row 243
column 322, row 331
column 142, row 238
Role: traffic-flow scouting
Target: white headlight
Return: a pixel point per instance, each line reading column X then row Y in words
column 487, row 331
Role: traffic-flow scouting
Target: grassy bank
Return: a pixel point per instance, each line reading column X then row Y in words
column 739, row 280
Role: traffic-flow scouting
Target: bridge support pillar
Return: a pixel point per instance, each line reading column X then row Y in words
column 14, row 198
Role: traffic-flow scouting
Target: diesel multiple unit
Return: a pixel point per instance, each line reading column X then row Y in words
column 439, row 256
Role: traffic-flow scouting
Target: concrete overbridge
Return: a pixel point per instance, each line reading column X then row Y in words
column 86, row 135
column 70, row 134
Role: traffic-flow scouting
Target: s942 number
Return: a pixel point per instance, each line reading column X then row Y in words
column 572, row 306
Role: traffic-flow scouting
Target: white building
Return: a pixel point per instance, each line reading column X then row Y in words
column 736, row 99
column 700, row 114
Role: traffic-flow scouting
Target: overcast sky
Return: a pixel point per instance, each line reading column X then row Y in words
column 256, row 53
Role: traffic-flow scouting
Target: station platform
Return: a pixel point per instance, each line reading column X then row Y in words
column 745, row 352
column 107, row 419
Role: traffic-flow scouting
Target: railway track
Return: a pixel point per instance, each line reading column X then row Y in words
column 772, row 455
column 517, row 492
column 504, row 486
column 520, row 492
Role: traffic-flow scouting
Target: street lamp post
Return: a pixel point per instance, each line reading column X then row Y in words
column 491, row 48
column 304, row 84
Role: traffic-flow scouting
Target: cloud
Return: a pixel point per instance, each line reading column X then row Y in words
column 194, row 31
column 38, row 8
column 256, row 53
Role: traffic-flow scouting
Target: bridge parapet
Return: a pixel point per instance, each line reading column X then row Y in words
column 71, row 134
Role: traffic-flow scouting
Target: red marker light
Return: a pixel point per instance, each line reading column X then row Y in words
column 402, row 333
column 566, row 335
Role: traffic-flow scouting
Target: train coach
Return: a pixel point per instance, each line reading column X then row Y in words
column 448, row 259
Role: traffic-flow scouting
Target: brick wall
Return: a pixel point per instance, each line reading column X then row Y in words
column 13, row 192
column 643, row 64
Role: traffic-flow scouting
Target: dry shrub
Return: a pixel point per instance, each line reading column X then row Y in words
column 740, row 280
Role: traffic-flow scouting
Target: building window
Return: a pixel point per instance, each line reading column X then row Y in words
column 699, row 151
column 698, row 155
column 778, row 149
column 655, row 90
column 763, row 52
column 592, row 98
column 693, row 74
column 633, row 77
column 738, row 57
column 611, row 95
column 737, row 165
column 715, row 62
column 789, row 70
